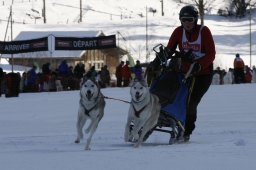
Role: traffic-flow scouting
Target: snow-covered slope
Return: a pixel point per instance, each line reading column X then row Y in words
column 127, row 19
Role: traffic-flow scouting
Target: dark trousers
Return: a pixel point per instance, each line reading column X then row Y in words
column 198, row 87
column 0, row 87
column 126, row 82
column 119, row 81
column 239, row 75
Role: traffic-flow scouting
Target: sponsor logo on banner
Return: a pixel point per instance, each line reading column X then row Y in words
column 24, row 46
column 85, row 43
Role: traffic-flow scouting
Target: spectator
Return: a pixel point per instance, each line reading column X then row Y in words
column 137, row 70
column 32, row 78
column 254, row 74
column 79, row 70
column 45, row 77
column 105, row 76
column 1, row 80
column 248, row 75
column 46, row 69
column 215, row 78
column 126, row 74
column 238, row 69
column 92, row 73
column 119, row 77
column 63, row 68
column 229, row 77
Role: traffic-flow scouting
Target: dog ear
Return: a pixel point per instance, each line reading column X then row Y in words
column 134, row 81
column 84, row 79
column 144, row 82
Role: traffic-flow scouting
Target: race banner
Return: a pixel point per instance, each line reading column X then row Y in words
column 24, row 46
column 85, row 43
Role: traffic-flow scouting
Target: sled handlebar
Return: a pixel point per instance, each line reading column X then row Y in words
column 189, row 73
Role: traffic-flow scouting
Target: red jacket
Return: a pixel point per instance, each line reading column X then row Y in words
column 119, row 71
column 126, row 72
column 238, row 63
column 207, row 47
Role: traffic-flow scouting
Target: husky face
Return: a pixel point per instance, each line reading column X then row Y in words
column 89, row 89
column 139, row 90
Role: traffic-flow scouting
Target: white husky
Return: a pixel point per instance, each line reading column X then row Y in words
column 143, row 112
column 91, row 107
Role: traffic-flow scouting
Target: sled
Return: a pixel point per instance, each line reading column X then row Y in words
column 171, row 87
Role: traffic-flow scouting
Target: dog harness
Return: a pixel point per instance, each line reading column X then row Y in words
column 86, row 110
column 137, row 113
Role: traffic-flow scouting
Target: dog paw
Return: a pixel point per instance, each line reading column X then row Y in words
column 136, row 137
column 136, row 145
column 87, row 148
column 87, row 130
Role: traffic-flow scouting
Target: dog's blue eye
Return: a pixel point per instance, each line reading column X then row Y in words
column 85, row 85
column 141, row 88
column 92, row 85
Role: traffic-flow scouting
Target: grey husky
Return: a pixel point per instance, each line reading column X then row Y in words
column 143, row 112
column 91, row 106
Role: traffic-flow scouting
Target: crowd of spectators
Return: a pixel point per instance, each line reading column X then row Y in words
column 68, row 78
column 124, row 73
column 240, row 73
column 64, row 77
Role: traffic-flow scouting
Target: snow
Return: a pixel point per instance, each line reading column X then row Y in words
column 37, row 131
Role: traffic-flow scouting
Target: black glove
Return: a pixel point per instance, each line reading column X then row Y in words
column 155, row 63
column 162, row 54
column 189, row 56
column 196, row 68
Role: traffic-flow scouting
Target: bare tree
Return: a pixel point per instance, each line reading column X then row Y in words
column 202, row 6
column 240, row 6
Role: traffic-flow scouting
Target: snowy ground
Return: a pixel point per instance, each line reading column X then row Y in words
column 37, row 131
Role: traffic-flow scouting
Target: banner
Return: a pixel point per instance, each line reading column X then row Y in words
column 24, row 46
column 85, row 43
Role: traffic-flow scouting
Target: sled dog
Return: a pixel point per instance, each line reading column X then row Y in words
column 91, row 107
column 143, row 112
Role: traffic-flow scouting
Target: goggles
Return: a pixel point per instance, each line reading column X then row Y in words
column 187, row 19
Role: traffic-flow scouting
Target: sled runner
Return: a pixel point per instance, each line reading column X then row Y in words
column 171, row 87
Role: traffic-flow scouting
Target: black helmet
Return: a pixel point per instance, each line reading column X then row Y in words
column 189, row 11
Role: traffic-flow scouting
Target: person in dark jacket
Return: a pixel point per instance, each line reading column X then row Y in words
column 197, row 43
column 126, row 74
column 1, row 80
column 238, row 69
column 79, row 70
column 32, row 80
column 137, row 70
column 105, row 76
column 46, row 69
column 63, row 68
column 92, row 73
column 119, row 77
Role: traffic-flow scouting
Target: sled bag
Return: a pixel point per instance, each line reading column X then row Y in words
column 165, row 87
column 177, row 109
column 172, row 94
